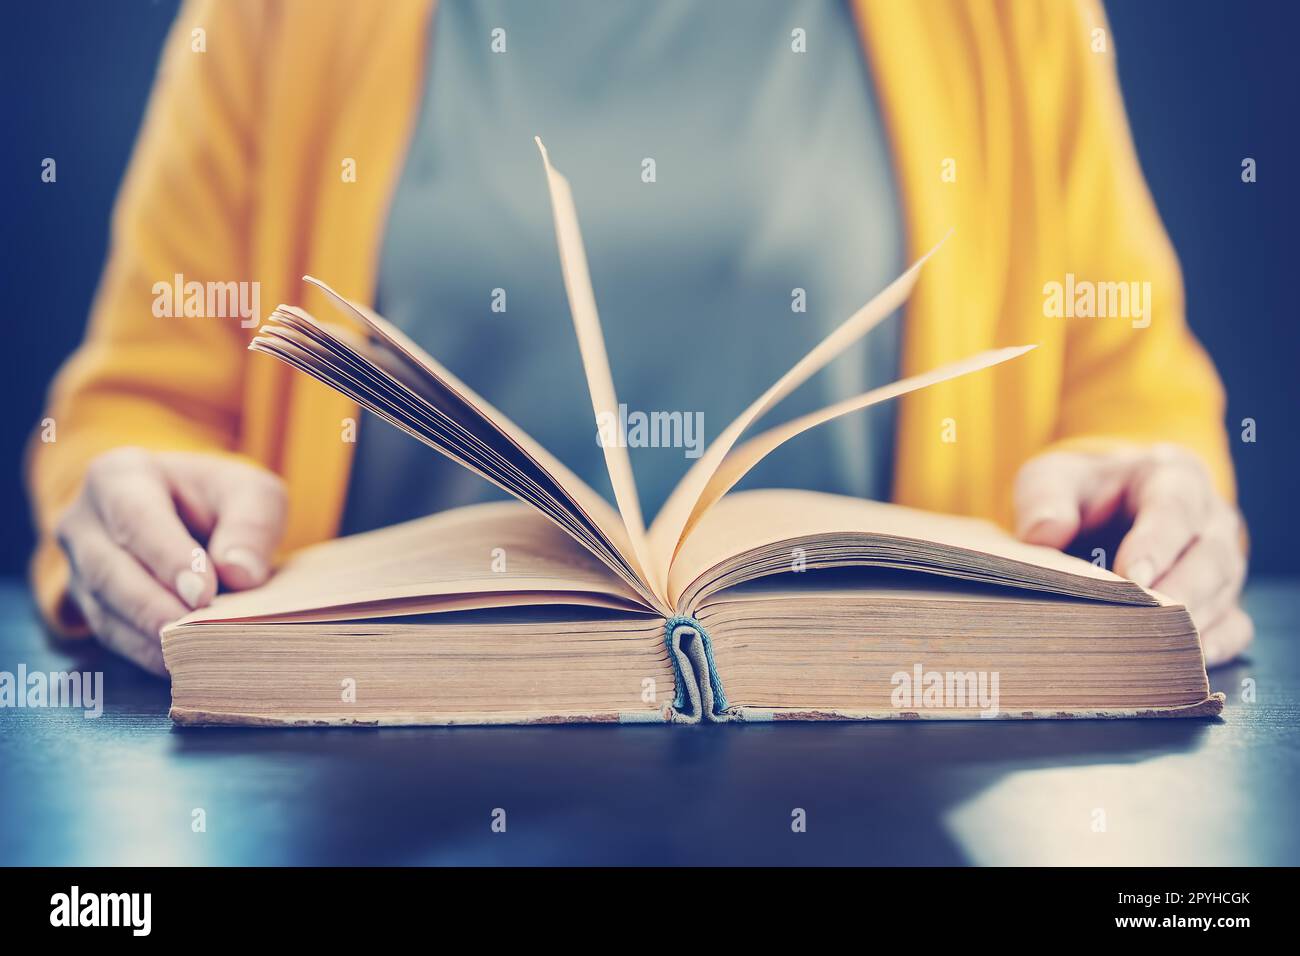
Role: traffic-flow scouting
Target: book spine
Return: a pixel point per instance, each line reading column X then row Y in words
column 699, row 688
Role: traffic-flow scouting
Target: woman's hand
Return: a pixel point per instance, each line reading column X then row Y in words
column 133, row 535
column 1185, row 540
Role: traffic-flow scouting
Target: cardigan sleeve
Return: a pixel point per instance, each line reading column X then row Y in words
column 1141, row 379
column 165, row 381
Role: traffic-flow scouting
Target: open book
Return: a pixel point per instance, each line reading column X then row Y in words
column 755, row 605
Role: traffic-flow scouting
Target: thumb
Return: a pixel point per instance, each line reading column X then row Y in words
column 250, row 508
column 1048, row 499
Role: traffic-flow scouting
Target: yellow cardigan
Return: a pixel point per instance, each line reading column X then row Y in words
column 236, row 176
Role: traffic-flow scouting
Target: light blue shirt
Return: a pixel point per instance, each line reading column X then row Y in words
column 728, row 161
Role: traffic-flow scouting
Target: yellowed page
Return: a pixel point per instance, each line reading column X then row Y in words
column 595, row 362
column 669, row 526
column 491, row 550
column 603, row 519
column 738, row 463
column 748, row 520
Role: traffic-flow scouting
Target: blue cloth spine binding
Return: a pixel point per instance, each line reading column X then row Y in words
column 715, row 682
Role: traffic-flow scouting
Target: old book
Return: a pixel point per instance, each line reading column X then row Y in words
column 758, row 605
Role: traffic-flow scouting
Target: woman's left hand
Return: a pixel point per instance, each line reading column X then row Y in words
column 1185, row 540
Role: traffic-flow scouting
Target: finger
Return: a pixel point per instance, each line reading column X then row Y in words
column 1169, row 502
column 118, row 583
column 1228, row 637
column 135, row 645
column 1207, row 578
column 1061, row 494
column 120, row 636
column 251, row 508
column 134, row 503
column 1047, row 499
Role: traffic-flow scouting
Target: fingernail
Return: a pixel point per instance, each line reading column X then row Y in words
column 246, row 559
column 190, row 587
column 1142, row 573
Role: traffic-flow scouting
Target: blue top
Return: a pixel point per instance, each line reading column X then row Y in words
column 722, row 155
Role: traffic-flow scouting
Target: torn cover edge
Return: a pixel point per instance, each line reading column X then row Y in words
column 1211, row 706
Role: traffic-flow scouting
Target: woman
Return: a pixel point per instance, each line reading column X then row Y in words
column 747, row 176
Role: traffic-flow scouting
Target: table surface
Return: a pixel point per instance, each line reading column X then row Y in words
column 125, row 788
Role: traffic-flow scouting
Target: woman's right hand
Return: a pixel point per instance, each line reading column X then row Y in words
column 153, row 533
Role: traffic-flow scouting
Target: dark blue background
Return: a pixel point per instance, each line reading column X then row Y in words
column 1206, row 84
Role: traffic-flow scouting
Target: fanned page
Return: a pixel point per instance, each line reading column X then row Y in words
column 595, row 362
column 714, row 474
column 736, row 464
column 392, row 376
column 718, row 469
column 395, row 379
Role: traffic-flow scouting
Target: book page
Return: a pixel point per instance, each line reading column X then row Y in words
column 667, row 531
column 749, row 521
column 595, row 362
column 739, row 462
column 460, row 559
column 392, row 376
